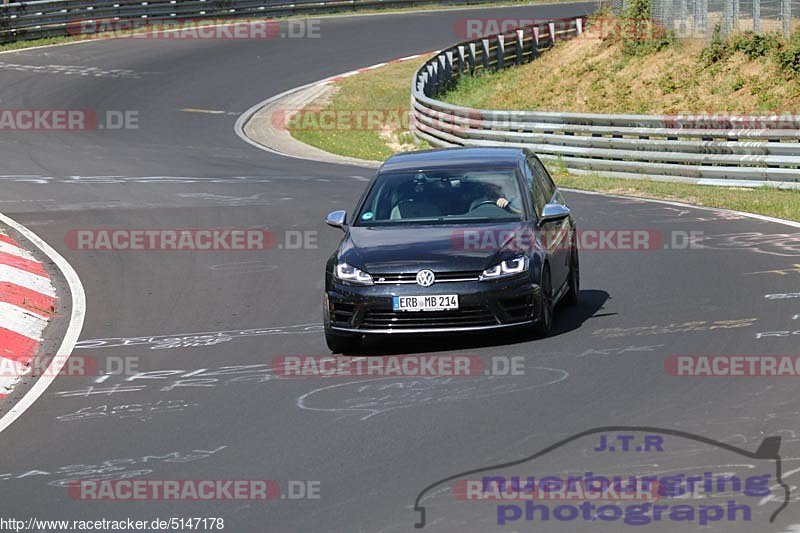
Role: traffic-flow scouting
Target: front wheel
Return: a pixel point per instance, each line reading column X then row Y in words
column 571, row 298
column 544, row 327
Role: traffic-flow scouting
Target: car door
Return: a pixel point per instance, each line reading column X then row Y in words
column 555, row 235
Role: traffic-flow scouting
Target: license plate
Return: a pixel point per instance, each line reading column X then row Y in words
column 445, row 302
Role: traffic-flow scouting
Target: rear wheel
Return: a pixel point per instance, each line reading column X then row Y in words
column 544, row 327
column 571, row 298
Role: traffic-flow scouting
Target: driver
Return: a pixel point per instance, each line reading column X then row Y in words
column 493, row 193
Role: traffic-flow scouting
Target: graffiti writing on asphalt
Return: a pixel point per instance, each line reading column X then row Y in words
column 794, row 269
column 193, row 340
column 682, row 327
column 782, row 244
column 117, row 468
column 139, row 411
column 175, row 379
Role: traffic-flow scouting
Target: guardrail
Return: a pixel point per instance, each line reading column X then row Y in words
column 677, row 148
column 50, row 18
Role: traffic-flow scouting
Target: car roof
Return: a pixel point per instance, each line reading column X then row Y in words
column 454, row 157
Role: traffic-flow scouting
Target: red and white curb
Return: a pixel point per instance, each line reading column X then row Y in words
column 340, row 77
column 27, row 301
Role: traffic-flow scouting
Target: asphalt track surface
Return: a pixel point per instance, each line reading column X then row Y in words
column 374, row 444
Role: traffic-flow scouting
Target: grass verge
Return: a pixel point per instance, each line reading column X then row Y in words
column 365, row 116
column 771, row 202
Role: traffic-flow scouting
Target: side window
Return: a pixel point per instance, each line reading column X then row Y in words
column 544, row 178
column 534, row 184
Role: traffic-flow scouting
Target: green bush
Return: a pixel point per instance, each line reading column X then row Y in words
column 789, row 55
column 755, row 45
column 638, row 34
column 770, row 45
column 717, row 49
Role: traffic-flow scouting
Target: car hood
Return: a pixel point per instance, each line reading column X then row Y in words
column 442, row 248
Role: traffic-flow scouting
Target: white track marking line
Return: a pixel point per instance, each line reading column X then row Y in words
column 77, row 316
column 26, row 279
column 13, row 250
column 21, row 321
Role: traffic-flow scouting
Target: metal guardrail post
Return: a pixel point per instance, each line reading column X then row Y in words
column 444, row 73
column 432, row 81
column 485, row 54
column 471, row 58
column 519, row 51
column 535, row 43
column 501, row 52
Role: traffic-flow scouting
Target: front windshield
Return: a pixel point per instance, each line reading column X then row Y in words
column 443, row 196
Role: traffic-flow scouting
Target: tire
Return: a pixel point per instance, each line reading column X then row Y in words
column 343, row 344
column 572, row 297
column 544, row 327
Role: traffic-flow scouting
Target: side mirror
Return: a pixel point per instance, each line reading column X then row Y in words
column 337, row 219
column 553, row 213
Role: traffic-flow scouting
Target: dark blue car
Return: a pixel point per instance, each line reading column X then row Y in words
column 449, row 241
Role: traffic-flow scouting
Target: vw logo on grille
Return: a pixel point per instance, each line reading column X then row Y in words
column 425, row 278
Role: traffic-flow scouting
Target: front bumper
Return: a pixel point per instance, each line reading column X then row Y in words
column 483, row 305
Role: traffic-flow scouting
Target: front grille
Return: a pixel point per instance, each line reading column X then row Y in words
column 342, row 314
column 399, row 320
column 441, row 277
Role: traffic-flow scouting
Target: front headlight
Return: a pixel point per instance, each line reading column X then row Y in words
column 345, row 272
column 509, row 267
